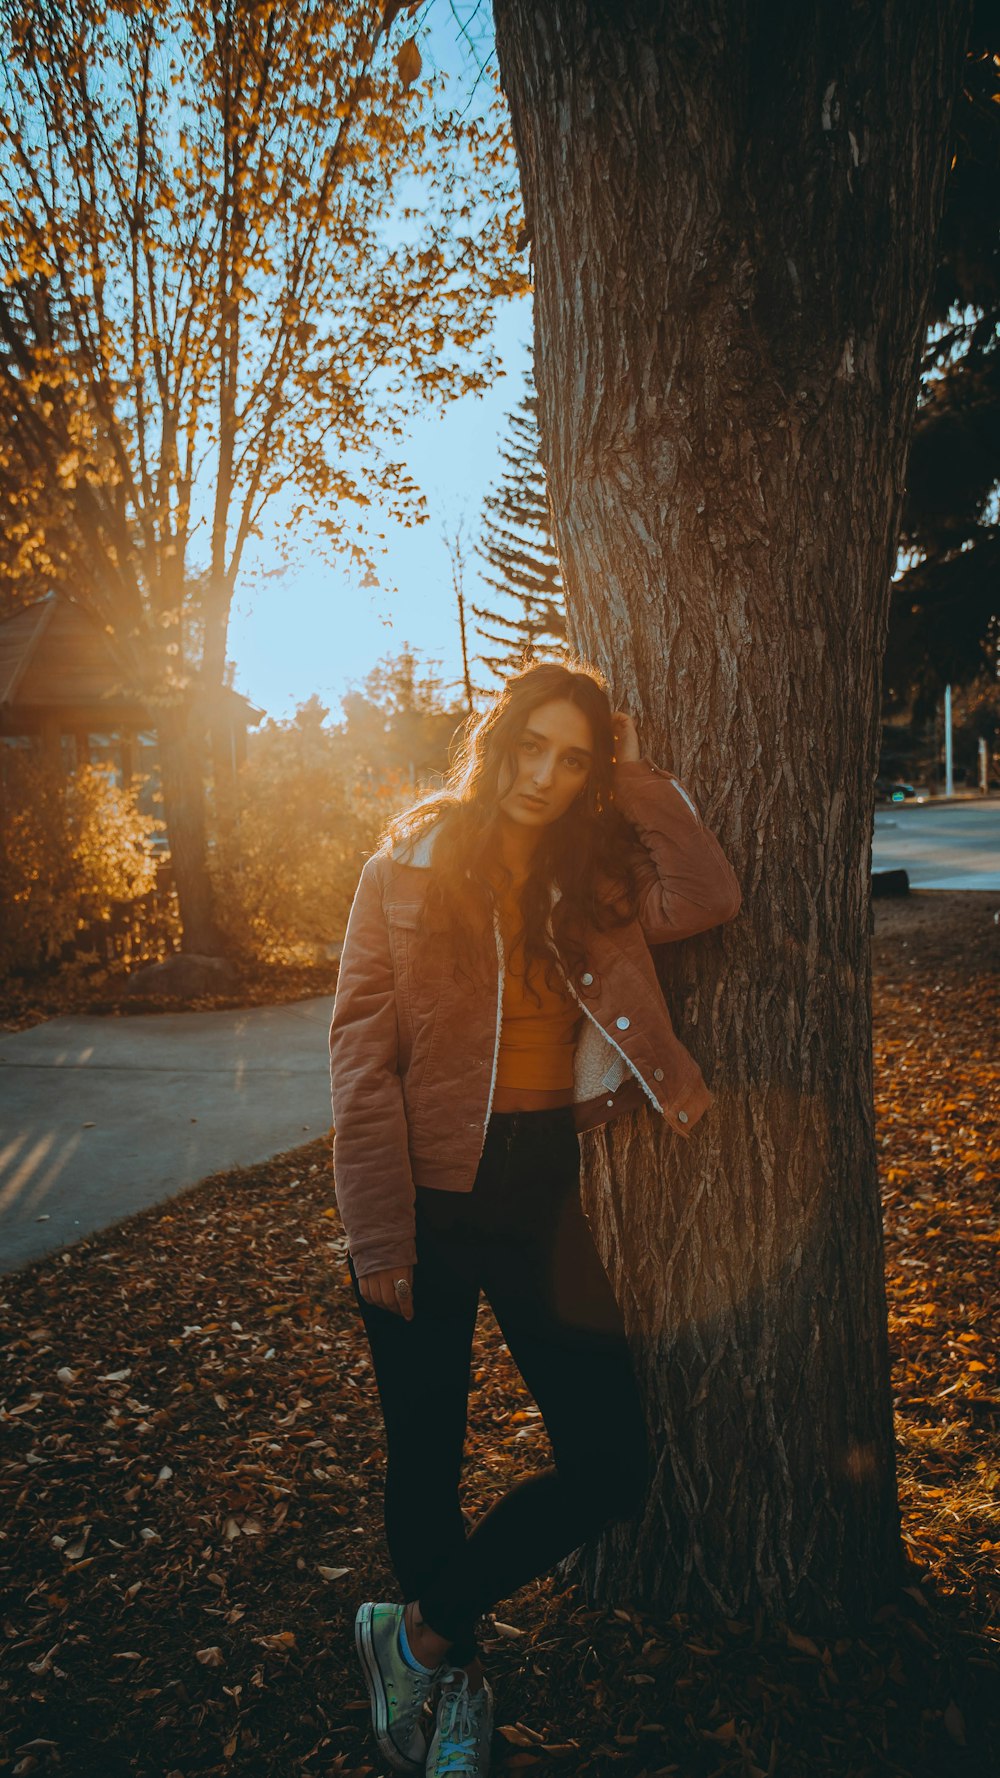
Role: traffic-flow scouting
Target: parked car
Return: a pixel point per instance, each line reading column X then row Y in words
column 892, row 790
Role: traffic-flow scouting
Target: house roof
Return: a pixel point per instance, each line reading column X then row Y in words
column 19, row 636
column 54, row 655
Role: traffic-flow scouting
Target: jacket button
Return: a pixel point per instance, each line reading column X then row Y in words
column 657, row 1073
column 623, row 1024
column 586, row 978
column 682, row 1117
column 610, row 1101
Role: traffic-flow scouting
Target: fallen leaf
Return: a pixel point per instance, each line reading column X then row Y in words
column 804, row 1644
column 516, row 1736
column 954, row 1722
column 278, row 1642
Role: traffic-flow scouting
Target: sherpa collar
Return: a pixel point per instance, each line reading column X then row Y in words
column 417, row 852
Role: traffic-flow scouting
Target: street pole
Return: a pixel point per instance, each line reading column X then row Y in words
column 457, row 553
column 948, row 783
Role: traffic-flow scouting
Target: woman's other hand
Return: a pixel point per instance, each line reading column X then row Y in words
column 379, row 1288
column 626, row 738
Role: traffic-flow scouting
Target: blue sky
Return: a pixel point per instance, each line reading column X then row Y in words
column 316, row 628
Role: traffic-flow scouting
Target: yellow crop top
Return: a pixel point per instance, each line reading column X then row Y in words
column 537, row 1043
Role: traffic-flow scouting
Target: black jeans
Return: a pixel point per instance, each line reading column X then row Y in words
column 521, row 1237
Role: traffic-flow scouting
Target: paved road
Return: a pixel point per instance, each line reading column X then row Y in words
column 940, row 845
column 100, row 1117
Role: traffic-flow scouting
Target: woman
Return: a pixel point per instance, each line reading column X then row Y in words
column 496, row 996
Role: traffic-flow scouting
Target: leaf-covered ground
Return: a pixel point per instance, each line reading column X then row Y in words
column 191, row 1471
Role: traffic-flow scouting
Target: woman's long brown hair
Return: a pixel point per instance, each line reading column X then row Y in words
column 585, row 852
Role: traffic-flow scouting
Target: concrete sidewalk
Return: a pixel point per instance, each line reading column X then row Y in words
column 100, row 1117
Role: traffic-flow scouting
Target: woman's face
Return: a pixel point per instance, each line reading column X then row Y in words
column 554, row 752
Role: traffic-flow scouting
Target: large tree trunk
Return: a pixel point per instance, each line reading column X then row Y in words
column 180, row 746
column 734, row 212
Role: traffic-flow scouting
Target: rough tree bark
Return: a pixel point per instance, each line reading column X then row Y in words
column 733, row 211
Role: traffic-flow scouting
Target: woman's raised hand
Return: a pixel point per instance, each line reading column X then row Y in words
column 626, row 738
column 379, row 1288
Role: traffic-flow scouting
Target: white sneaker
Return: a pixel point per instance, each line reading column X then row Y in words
column 398, row 1692
column 463, row 1730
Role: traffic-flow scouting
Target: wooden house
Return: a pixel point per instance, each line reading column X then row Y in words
column 61, row 690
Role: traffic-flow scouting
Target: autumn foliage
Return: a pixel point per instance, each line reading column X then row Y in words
column 311, row 802
column 238, row 242
column 290, row 848
column 72, row 846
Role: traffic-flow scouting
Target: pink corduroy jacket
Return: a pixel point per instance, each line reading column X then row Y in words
column 413, row 1068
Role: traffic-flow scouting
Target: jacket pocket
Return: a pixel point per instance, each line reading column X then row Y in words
column 401, row 919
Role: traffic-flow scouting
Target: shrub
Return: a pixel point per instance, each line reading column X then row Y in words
column 310, row 803
column 286, row 865
column 71, row 847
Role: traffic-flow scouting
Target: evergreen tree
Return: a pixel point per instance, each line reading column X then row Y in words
column 945, row 598
column 519, row 550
